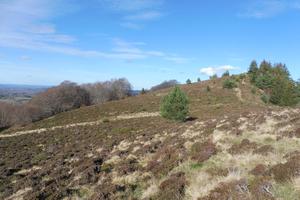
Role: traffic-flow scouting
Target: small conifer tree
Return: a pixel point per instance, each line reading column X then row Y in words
column 175, row 105
column 188, row 81
column 143, row 91
column 226, row 74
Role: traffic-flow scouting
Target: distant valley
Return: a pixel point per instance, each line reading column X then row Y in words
column 15, row 93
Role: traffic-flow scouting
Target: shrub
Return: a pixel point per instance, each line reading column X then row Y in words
column 208, row 89
column 198, row 80
column 229, row 84
column 188, row 81
column 105, row 120
column 242, row 76
column 253, row 90
column 265, row 98
column 215, row 76
column 175, row 105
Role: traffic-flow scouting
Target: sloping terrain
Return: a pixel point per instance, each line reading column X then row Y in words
column 232, row 147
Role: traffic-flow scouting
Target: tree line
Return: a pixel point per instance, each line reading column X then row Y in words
column 276, row 82
column 64, row 97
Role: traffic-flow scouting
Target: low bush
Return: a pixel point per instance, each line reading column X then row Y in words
column 229, row 84
column 208, row 89
column 265, row 98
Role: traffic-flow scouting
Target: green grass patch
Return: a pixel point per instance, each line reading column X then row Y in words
column 196, row 166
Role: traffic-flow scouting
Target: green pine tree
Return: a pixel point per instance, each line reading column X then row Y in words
column 253, row 71
column 175, row 105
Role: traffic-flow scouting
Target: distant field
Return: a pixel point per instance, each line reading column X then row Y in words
column 12, row 93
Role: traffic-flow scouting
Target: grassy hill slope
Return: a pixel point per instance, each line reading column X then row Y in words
column 234, row 147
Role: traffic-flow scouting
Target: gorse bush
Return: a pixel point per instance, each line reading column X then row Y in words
column 175, row 105
column 229, row 84
column 276, row 82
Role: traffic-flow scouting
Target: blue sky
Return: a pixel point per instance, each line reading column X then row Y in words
column 44, row 42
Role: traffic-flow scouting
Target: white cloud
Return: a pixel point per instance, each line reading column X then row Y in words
column 210, row 71
column 268, row 8
column 24, row 24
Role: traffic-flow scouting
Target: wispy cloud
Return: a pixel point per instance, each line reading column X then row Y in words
column 268, row 8
column 25, row 58
column 135, row 13
column 25, row 24
column 134, row 49
column 131, row 25
column 210, row 71
column 131, row 5
column 144, row 16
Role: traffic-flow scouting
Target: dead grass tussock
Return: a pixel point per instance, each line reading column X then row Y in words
column 19, row 194
column 26, row 171
column 113, row 160
column 129, row 179
column 151, row 190
column 137, row 115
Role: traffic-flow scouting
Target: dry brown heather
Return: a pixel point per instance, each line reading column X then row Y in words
column 234, row 147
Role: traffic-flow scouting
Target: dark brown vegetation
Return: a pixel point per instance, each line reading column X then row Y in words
column 244, row 146
column 286, row 171
column 203, row 151
column 173, row 188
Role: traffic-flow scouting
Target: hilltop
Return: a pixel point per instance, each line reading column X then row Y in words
column 234, row 146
